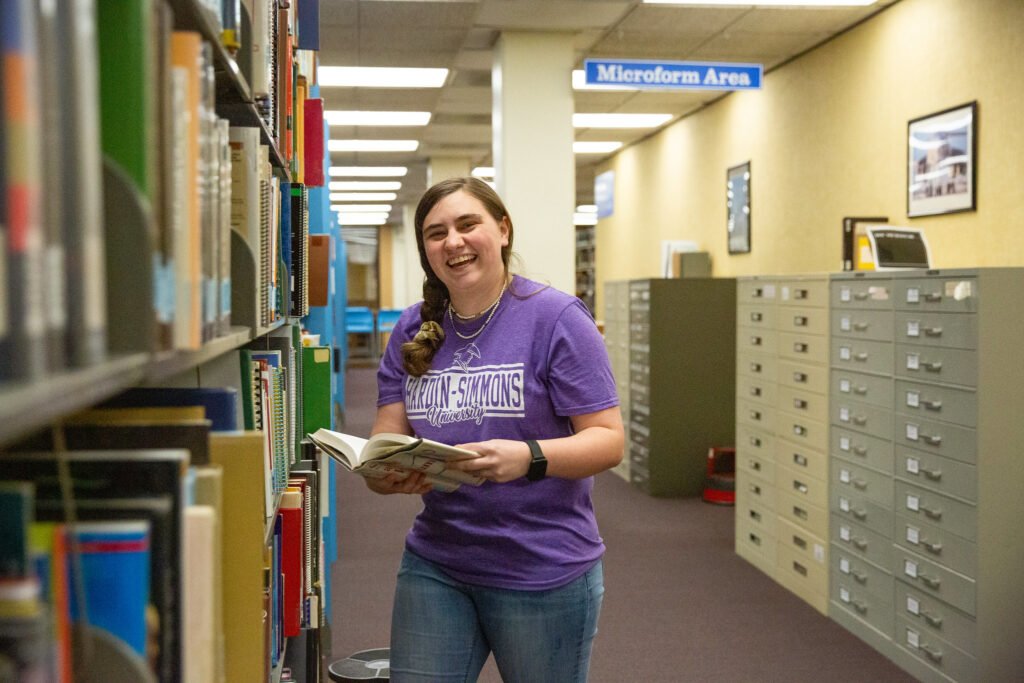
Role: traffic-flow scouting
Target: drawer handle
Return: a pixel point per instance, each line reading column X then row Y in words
column 755, row 415
column 934, row 366
column 800, row 569
column 933, row 654
column 755, row 442
column 799, row 404
column 800, row 486
column 800, row 321
column 860, row 327
column 755, row 367
column 755, row 341
column 932, row 582
column 860, row 484
column 933, row 548
column 757, row 293
column 800, row 460
column 755, row 465
column 860, row 450
column 933, row 331
column 933, row 619
column 859, row 606
column 799, row 542
column 860, row 514
column 756, row 317
column 800, row 347
column 860, row 296
column 932, row 439
column 800, row 430
column 755, row 515
column 860, row 420
column 932, row 297
column 800, row 293
column 755, row 539
column 934, row 475
column 859, row 576
column 800, row 377
column 755, row 489
column 755, row 391
column 932, row 405
column 799, row 512
column 859, row 543
column 860, row 389
column 931, row 513
column 860, row 357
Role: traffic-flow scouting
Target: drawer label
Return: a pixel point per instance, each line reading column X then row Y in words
column 913, row 361
column 913, row 639
column 844, row 353
column 910, row 568
column 844, row 293
column 913, row 535
column 912, row 431
column 844, row 475
column 913, row 295
column 913, row 328
column 844, row 324
column 844, row 443
column 914, row 399
column 913, row 502
column 844, row 533
column 913, row 606
column 819, row 553
column 844, row 595
column 844, row 504
column 844, row 414
column 913, row 465
column 844, row 565
column 844, row 386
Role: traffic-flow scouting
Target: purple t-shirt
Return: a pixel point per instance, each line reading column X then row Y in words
column 540, row 360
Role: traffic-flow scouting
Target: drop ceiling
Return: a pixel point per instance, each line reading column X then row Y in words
column 461, row 34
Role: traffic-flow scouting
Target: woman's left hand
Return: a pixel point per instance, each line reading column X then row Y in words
column 500, row 460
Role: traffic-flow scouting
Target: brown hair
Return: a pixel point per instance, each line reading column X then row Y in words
column 418, row 353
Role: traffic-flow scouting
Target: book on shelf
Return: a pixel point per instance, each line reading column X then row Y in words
column 292, row 559
column 201, row 593
column 385, row 453
column 220, row 404
column 313, row 142
column 224, row 228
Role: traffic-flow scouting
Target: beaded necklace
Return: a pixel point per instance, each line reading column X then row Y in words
column 492, row 308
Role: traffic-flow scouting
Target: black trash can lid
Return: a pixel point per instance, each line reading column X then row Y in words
column 365, row 665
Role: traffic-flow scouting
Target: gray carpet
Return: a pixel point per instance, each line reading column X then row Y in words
column 680, row 605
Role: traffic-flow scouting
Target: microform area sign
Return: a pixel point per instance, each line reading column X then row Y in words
column 673, row 75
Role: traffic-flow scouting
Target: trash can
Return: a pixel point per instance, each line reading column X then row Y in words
column 365, row 665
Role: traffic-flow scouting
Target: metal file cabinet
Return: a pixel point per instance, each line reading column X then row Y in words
column 616, row 341
column 681, row 380
column 782, row 521
column 927, row 485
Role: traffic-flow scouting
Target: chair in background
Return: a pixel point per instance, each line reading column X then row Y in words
column 386, row 319
column 359, row 320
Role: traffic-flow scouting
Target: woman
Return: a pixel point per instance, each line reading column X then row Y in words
column 517, row 372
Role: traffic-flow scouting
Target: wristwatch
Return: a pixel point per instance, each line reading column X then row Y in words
column 538, row 464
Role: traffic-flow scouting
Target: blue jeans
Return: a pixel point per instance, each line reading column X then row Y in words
column 443, row 629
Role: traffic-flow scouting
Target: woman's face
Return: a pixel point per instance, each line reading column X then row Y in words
column 463, row 245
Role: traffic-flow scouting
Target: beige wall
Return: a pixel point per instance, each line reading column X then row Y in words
column 826, row 138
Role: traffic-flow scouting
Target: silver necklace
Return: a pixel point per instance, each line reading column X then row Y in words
column 493, row 308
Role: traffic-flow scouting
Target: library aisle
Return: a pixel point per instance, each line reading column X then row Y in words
column 680, row 604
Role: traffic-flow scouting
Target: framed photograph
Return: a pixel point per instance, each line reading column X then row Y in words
column 941, row 161
column 737, row 208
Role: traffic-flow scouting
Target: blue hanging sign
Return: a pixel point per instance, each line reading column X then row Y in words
column 604, row 193
column 635, row 73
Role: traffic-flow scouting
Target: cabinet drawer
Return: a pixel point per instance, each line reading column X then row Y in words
column 756, row 364
column 862, row 294
column 755, row 414
column 942, row 512
column 865, row 576
column 862, row 355
column 639, row 435
column 804, row 292
column 953, row 663
column 959, row 443
column 936, row 617
column 853, row 506
column 803, row 347
column 953, row 295
column 802, row 460
column 805, row 577
column 813, row 518
column 757, row 517
column 867, row 450
column 803, row 403
column 755, row 545
column 802, row 487
column 863, row 542
column 760, row 316
column 801, row 430
column 756, row 464
column 856, row 481
column 803, row 544
column 753, row 441
column 803, row 320
column 937, row 473
column 755, row 389
column 853, row 324
column 935, row 580
column 753, row 339
column 756, row 291
column 938, row 545
column 948, row 330
column 755, row 490
column 865, row 605
column 935, row 364
column 959, row 406
column 801, row 375
column 870, row 389
column 861, row 417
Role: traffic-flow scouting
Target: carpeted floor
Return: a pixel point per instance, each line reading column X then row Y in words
column 680, row 605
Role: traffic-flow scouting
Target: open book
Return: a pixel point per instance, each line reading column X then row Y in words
column 385, row 453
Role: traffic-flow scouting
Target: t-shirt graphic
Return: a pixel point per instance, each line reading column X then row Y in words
column 466, row 391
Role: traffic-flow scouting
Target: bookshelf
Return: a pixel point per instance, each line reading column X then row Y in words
column 176, row 318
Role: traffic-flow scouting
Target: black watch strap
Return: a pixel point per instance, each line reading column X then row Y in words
column 538, row 464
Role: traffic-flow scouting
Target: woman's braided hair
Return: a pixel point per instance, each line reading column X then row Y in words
column 418, row 353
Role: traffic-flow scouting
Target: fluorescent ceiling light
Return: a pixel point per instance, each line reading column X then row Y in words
column 619, row 120
column 367, row 171
column 584, row 218
column 587, row 208
column 579, row 82
column 482, row 172
column 363, row 196
column 363, row 208
column 380, row 77
column 377, row 118
column 373, row 145
column 595, row 147
column 768, row 3
column 364, row 185
column 345, row 218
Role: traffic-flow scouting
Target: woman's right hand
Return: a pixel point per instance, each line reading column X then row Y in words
column 415, row 483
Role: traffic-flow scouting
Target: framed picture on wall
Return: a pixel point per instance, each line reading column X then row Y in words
column 941, row 161
column 737, row 208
